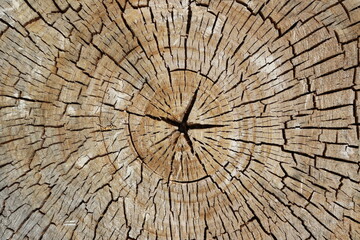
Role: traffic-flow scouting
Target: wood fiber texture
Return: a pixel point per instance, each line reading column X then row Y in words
column 179, row 119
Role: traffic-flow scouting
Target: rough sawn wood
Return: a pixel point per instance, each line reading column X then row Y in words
column 179, row 119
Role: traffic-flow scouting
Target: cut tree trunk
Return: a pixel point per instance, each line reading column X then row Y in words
column 179, row 119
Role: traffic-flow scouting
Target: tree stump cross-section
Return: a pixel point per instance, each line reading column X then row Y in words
column 179, row 119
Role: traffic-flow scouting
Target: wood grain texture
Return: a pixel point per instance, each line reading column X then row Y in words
column 179, row 119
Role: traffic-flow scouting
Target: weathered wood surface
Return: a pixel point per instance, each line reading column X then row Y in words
column 177, row 119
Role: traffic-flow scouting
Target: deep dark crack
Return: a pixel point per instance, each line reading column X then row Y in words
column 190, row 107
column 183, row 126
column 204, row 126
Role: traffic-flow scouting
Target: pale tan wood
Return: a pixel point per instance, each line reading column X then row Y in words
column 178, row 119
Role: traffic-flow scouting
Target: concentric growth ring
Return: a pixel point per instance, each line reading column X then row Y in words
column 177, row 130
